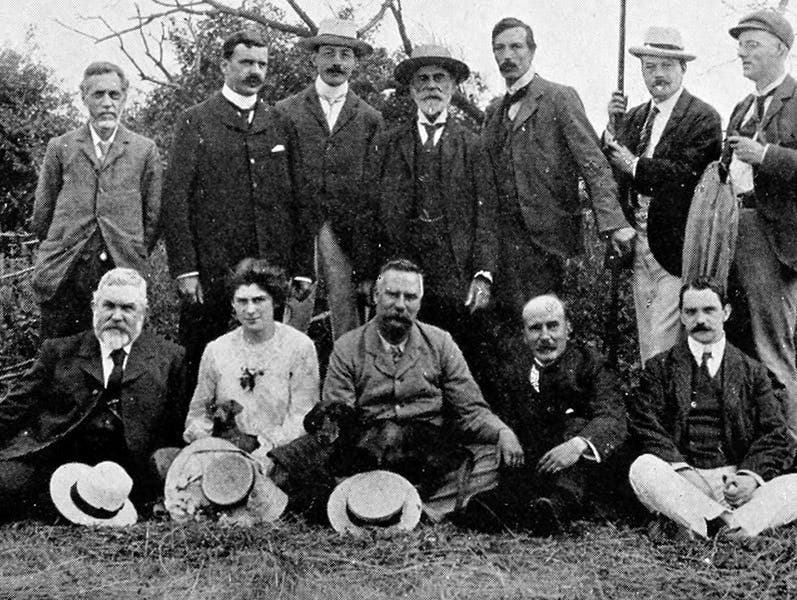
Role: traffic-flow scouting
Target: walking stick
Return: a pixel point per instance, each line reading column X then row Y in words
column 614, row 261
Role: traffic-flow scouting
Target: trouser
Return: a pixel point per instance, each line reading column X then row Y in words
column 663, row 491
column 771, row 291
column 200, row 324
column 656, row 301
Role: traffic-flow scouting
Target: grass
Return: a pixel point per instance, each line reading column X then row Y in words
column 297, row 560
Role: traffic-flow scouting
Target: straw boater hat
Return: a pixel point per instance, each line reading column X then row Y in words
column 665, row 42
column 423, row 56
column 336, row 32
column 97, row 495
column 214, row 474
column 376, row 498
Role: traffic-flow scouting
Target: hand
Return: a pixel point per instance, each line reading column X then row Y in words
column 616, row 108
column 301, row 288
column 562, row 456
column 739, row 489
column 746, row 150
column 696, row 479
column 621, row 157
column 622, row 240
column 365, row 290
column 190, row 289
column 478, row 294
column 508, row 450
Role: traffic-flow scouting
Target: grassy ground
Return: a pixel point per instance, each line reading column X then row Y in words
column 295, row 560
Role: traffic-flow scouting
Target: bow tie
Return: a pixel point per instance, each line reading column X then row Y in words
column 510, row 99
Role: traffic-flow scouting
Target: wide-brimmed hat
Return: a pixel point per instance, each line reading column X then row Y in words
column 430, row 54
column 336, row 32
column 665, row 42
column 767, row 20
column 214, row 474
column 376, row 498
column 97, row 495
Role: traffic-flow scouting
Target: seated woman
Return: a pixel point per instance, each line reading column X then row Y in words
column 257, row 382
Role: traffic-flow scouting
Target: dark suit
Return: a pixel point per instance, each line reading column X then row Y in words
column 84, row 208
column 229, row 194
column 332, row 169
column 42, row 418
column 766, row 253
column 537, row 159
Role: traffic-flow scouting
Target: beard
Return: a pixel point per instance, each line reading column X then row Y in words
column 115, row 338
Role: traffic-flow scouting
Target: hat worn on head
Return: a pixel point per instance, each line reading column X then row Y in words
column 375, row 498
column 664, row 42
column 97, row 495
column 336, row 32
column 426, row 55
column 767, row 20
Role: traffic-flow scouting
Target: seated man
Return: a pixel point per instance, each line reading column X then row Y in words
column 398, row 371
column 112, row 394
column 566, row 408
column 713, row 433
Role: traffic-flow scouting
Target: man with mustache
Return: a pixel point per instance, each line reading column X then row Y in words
column 230, row 192
column 335, row 129
column 761, row 156
column 566, row 408
column 674, row 136
column 539, row 143
column 714, row 441
column 115, row 392
column 435, row 202
column 97, row 204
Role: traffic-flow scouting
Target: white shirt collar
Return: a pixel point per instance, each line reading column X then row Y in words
column 331, row 93
column 242, row 102
column 717, row 349
column 524, row 80
column 666, row 106
column 771, row 86
column 387, row 346
column 96, row 139
column 105, row 351
column 441, row 118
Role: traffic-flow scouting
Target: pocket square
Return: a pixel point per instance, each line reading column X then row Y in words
column 569, row 411
column 278, row 148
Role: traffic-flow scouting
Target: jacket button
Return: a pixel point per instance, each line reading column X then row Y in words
column 95, row 392
column 252, row 160
column 693, row 404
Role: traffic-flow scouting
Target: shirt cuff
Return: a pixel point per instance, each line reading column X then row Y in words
column 681, row 466
column 764, row 153
column 485, row 274
column 759, row 480
column 633, row 167
column 189, row 274
column 303, row 279
column 590, row 452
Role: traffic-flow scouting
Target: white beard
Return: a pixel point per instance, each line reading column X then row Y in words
column 114, row 338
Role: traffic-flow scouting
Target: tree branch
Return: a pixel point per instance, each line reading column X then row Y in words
column 304, row 16
column 405, row 40
column 376, row 18
column 258, row 18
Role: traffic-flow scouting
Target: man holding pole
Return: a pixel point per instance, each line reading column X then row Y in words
column 658, row 151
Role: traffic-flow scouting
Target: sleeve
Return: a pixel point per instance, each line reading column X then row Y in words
column 198, row 422
column 28, row 392
column 647, row 415
column 176, row 396
column 582, row 141
column 486, row 244
column 368, row 230
column 778, row 171
column 47, row 190
column 151, row 182
column 606, row 430
column 178, row 189
column 463, row 398
column 339, row 385
column 304, row 383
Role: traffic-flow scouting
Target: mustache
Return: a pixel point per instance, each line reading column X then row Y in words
column 336, row 70
column 433, row 96
column 253, row 80
column 661, row 82
column 507, row 65
column 700, row 327
column 546, row 346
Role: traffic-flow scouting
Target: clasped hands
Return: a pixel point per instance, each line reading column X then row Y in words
column 556, row 459
column 190, row 289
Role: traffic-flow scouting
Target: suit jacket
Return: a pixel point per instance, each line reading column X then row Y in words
column 578, row 396
column 692, row 138
column 754, row 430
column 468, row 191
column 331, row 165
column 552, row 144
column 431, row 381
column 775, row 179
column 66, row 381
column 230, row 192
column 77, row 196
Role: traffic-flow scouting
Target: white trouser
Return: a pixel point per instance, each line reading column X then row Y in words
column 663, row 491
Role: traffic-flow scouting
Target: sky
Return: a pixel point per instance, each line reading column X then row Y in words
column 576, row 39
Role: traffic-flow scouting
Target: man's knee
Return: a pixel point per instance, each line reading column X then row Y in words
column 642, row 468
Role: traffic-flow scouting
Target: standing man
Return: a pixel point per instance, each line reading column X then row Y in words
column 762, row 159
column 713, row 436
column 659, row 150
column 229, row 194
column 97, row 204
column 436, row 201
column 335, row 130
column 539, row 142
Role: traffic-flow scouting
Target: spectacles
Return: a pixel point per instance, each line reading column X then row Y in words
column 749, row 45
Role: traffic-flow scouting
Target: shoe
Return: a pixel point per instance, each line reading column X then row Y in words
column 543, row 519
column 662, row 530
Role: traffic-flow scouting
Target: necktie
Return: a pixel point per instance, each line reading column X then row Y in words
column 750, row 127
column 104, row 147
column 510, row 99
column 396, row 352
column 647, row 130
column 430, row 131
column 704, row 364
column 114, row 386
column 330, row 111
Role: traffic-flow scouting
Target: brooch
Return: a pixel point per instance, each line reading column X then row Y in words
column 249, row 378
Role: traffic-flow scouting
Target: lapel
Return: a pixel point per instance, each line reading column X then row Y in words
column 528, row 106
column 733, row 369
column 738, row 117
column 226, row 113
column 86, row 145
column 373, row 346
column 412, row 351
column 406, row 144
column 118, row 148
column 260, row 120
column 347, row 111
column 784, row 92
column 677, row 114
column 89, row 360
column 313, row 106
column 682, row 375
column 142, row 353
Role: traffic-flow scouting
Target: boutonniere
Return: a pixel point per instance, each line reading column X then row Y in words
column 249, row 378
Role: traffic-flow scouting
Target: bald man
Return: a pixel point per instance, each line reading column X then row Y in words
column 566, row 410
